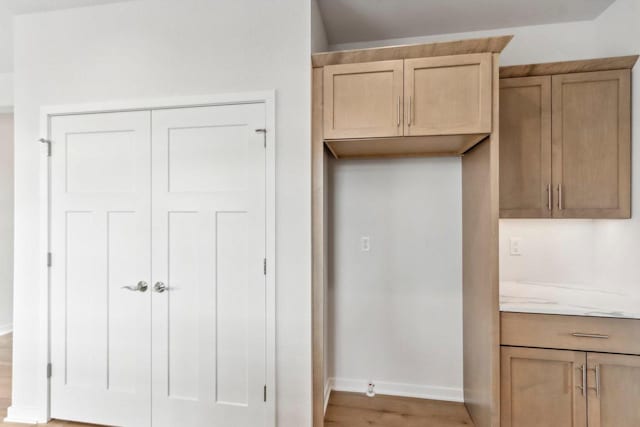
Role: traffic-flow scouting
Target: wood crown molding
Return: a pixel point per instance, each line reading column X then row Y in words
column 460, row 47
column 566, row 67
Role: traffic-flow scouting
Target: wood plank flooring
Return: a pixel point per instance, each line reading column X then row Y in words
column 358, row 410
column 5, row 387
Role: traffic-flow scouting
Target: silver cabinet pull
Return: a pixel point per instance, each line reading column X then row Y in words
column 409, row 114
column 597, row 387
column 583, row 335
column 582, row 387
column 160, row 287
column 398, row 118
column 549, row 196
column 140, row 287
column 560, row 197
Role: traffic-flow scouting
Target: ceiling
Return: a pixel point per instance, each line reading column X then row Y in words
column 349, row 21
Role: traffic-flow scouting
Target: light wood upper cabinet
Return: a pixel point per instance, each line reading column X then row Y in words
column 614, row 390
column 525, row 147
column 363, row 100
column 591, row 159
column 543, row 388
column 565, row 140
column 448, row 95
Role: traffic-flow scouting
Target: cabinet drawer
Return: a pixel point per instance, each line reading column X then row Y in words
column 599, row 334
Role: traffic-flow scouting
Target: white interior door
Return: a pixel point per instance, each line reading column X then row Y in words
column 100, row 242
column 208, row 226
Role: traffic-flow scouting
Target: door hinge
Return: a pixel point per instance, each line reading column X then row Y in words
column 264, row 395
column 264, row 266
column 49, row 256
column 264, row 133
column 49, row 368
column 46, row 141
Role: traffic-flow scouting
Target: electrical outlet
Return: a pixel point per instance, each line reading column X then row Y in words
column 365, row 244
column 515, row 246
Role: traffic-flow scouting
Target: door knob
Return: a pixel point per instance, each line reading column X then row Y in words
column 140, row 287
column 160, row 287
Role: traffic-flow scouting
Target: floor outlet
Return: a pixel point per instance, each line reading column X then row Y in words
column 371, row 390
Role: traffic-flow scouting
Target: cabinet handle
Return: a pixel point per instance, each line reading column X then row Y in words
column 560, row 197
column 597, row 387
column 398, row 119
column 583, row 335
column 584, row 379
column 409, row 115
column 549, row 196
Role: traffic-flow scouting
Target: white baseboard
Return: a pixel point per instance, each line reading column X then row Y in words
column 328, row 386
column 450, row 394
column 24, row 415
column 5, row 329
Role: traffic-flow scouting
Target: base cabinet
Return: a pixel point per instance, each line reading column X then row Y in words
column 614, row 390
column 542, row 388
column 565, row 388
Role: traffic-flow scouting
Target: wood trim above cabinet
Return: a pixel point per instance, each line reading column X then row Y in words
column 459, row 47
column 565, row 67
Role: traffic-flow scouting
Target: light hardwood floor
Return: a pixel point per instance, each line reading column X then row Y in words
column 5, row 387
column 358, row 410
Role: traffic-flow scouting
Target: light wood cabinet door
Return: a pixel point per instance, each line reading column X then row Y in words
column 591, row 159
column 542, row 388
column 614, row 390
column 363, row 100
column 448, row 95
column 525, row 147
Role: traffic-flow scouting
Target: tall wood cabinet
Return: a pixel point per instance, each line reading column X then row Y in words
column 565, row 148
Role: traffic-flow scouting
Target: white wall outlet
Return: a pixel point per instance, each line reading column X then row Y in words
column 515, row 246
column 365, row 244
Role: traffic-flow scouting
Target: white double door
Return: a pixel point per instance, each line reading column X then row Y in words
column 157, row 282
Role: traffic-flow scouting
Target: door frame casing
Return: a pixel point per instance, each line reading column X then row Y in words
column 47, row 113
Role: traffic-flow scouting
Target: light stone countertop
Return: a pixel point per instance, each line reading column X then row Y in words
column 555, row 298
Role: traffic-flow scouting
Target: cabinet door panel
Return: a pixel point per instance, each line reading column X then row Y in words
column 448, row 95
column 363, row 100
column 525, row 147
column 614, row 390
column 542, row 388
column 592, row 144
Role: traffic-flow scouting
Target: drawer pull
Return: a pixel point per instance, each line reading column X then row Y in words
column 581, row 335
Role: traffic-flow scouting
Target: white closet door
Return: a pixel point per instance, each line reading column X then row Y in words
column 208, row 248
column 100, row 242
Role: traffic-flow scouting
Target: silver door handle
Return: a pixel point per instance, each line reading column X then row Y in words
column 597, row 387
column 549, row 195
column 160, row 287
column 140, row 287
column 560, row 197
column 584, row 379
column 409, row 112
column 398, row 119
column 583, row 335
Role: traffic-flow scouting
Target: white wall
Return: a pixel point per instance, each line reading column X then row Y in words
column 6, row 222
column 6, row 92
column 319, row 41
column 163, row 48
column 396, row 311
